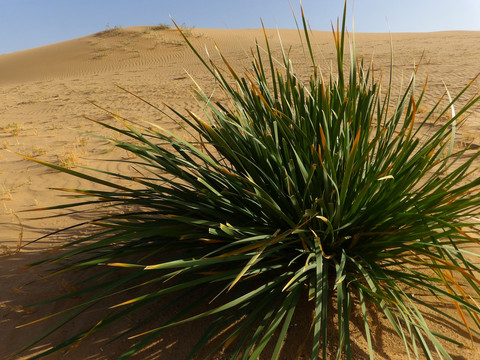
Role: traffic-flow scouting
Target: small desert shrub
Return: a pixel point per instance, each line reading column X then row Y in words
column 159, row 27
column 109, row 31
column 328, row 190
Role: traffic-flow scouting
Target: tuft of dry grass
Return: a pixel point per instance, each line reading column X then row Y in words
column 37, row 151
column 160, row 27
column 68, row 159
column 71, row 156
column 6, row 191
column 13, row 129
column 5, row 250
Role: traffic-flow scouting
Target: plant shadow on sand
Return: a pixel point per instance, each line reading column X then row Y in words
column 22, row 287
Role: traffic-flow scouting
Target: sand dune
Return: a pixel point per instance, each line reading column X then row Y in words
column 46, row 92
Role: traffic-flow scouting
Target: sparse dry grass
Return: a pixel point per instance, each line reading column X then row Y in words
column 55, row 126
column 68, row 159
column 37, row 151
column 13, row 129
column 72, row 154
column 6, row 191
column 160, row 27
column 4, row 250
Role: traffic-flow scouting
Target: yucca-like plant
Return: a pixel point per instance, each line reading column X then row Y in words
column 327, row 189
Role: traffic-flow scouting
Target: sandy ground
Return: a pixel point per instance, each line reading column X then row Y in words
column 47, row 91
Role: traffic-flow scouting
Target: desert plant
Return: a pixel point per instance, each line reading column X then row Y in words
column 160, row 26
column 13, row 129
column 327, row 189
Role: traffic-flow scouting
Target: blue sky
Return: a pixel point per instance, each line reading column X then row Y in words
column 30, row 23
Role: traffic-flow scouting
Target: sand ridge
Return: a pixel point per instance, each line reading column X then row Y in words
column 47, row 91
